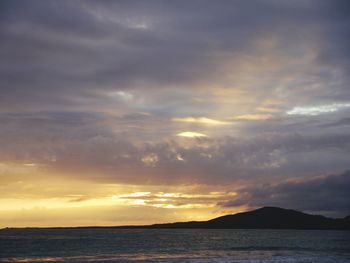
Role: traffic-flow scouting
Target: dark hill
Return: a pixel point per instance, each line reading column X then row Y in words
column 262, row 218
column 266, row 218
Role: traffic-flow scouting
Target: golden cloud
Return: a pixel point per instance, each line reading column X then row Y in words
column 253, row 117
column 201, row 120
column 190, row 134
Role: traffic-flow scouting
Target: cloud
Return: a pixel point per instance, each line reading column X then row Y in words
column 253, row 117
column 100, row 147
column 117, row 47
column 317, row 194
column 341, row 122
column 317, row 110
column 98, row 90
column 190, row 134
column 200, row 120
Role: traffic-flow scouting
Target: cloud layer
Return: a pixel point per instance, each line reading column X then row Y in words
column 324, row 194
column 228, row 94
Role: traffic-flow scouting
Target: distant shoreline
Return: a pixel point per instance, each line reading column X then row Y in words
column 266, row 218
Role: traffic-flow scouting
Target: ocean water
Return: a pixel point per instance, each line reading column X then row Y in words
column 173, row 245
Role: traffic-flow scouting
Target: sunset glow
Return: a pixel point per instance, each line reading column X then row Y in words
column 141, row 112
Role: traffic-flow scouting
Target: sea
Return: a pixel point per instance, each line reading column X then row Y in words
column 174, row 245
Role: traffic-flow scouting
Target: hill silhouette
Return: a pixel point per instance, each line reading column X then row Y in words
column 262, row 218
column 265, row 218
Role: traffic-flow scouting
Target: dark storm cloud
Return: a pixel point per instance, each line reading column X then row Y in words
column 319, row 194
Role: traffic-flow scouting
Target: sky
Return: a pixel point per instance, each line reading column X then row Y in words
column 139, row 112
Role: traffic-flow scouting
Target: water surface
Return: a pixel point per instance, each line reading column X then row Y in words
column 173, row 245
